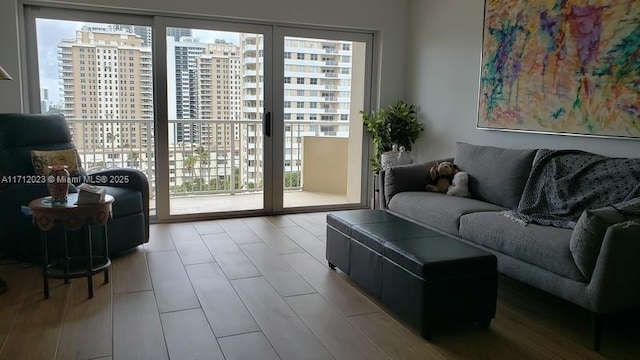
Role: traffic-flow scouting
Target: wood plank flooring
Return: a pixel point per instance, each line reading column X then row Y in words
column 259, row 288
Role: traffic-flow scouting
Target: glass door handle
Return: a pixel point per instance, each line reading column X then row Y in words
column 266, row 126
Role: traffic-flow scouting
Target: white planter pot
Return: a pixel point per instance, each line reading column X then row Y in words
column 395, row 158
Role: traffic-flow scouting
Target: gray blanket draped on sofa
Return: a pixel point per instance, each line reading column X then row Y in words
column 564, row 183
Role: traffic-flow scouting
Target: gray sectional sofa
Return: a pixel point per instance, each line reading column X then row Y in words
column 594, row 265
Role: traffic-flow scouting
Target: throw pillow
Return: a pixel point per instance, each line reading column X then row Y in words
column 496, row 175
column 588, row 234
column 42, row 159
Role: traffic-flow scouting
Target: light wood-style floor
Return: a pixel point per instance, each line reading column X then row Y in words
column 259, row 288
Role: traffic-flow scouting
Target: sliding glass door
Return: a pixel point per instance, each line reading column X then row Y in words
column 232, row 148
column 325, row 86
column 224, row 118
column 215, row 109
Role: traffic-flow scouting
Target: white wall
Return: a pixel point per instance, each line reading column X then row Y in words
column 445, row 46
column 387, row 17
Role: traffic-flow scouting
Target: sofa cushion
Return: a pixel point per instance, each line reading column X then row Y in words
column 437, row 210
column 543, row 246
column 496, row 175
column 587, row 236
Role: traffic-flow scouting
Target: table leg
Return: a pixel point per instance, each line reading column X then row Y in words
column 90, row 263
column 66, row 258
column 45, row 264
column 106, row 254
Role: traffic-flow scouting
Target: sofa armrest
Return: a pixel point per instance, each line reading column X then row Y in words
column 615, row 283
column 396, row 179
column 382, row 202
column 126, row 178
column 588, row 234
column 401, row 178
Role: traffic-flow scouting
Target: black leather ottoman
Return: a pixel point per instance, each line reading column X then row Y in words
column 425, row 277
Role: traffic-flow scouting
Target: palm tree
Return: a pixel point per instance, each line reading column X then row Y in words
column 203, row 157
column 188, row 164
column 111, row 138
column 132, row 159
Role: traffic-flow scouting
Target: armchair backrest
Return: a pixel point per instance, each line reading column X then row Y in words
column 21, row 133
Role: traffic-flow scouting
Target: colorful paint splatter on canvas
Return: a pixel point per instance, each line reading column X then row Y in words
column 563, row 66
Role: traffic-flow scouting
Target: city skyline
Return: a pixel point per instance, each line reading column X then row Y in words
column 51, row 31
column 215, row 99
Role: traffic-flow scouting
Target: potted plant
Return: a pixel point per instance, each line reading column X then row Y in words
column 395, row 125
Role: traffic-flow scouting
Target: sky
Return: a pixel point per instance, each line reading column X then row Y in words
column 51, row 32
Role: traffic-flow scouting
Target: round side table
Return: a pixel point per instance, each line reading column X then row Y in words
column 47, row 214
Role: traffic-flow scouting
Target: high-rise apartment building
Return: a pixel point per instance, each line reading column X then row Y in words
column 44, row 101
column 204, row 84
column 219, row 92
column 317, row 91
column 252, row 101
column 220, row 87
column 182, row 85
column 215, row 98
column 106, row 75
column 177, row 33
column 144, row 32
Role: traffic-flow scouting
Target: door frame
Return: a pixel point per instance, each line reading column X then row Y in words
column 273, row 149
column 279, row 34
column 162, row 112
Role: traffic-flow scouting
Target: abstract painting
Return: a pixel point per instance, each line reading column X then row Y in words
column 561, row 66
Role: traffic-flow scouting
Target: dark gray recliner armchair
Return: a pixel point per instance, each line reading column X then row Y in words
column 19, row 238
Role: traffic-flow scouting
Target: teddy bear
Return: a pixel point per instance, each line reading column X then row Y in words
column 441, row 175
column 459, row 185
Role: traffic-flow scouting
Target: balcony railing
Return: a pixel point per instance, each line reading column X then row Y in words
column 205, row 156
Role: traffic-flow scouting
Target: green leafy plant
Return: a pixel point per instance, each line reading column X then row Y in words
column 397, row 124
